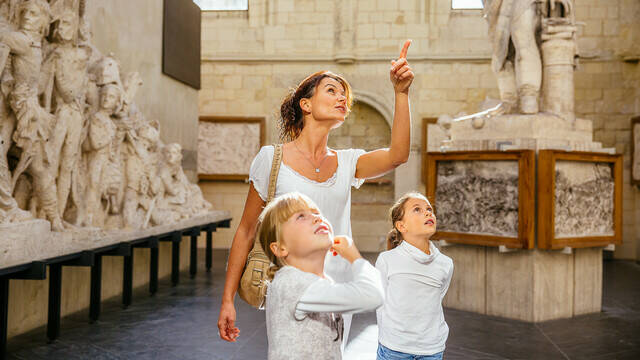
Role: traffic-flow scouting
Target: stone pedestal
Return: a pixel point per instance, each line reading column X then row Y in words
column 33, row 240
column 534, row 132
column 529, row 285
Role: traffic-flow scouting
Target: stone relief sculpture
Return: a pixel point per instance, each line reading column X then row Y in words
column 143, row 186
column 69, row 77
column 227, row 148
column 182, row 197
column 489, row 192
column 99, row 148
column 33, row 122
column 76, row 150
column 514, row 30
column 583, row 199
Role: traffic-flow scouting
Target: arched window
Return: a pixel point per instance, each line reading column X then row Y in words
column 217, row 5
column 466, row 4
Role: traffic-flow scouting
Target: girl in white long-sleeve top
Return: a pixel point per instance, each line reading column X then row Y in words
column 415, row 276
column 303, row 306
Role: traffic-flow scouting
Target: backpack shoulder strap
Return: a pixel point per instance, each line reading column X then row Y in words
column 275, row 169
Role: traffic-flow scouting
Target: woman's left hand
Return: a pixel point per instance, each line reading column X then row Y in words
column 401, row 73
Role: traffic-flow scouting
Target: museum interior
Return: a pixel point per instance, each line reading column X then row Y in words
column 129, row 128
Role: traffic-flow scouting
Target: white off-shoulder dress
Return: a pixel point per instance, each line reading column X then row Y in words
column 333, row 197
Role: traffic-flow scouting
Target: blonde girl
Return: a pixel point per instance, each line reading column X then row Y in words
column 415, row 276
column 303, row 306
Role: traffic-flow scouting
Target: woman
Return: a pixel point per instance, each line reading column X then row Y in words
column 319, row 104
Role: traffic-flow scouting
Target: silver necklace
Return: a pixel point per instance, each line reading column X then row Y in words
column 317, row 168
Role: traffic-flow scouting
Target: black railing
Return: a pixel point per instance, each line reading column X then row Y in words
column 36, row 270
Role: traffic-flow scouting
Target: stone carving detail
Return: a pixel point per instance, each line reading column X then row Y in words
column 516, row 60
column 583, row 199
column 227, row 147
column 345, row 36
column 478, row 197
column 76, row 150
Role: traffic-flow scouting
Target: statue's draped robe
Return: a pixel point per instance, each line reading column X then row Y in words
column 500, row 14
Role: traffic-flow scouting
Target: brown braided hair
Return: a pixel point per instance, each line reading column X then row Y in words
column 394, row 237
column 291, row 120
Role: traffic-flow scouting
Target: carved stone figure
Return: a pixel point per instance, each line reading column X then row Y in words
column 143, row 186
column 74, row 144
column 69, row 64
column 9, row 210
column 99, row 142
column 33, row 121
column 513, row 30
column 180, row 195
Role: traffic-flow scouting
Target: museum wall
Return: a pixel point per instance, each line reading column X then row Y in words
column 250, row 59
column 132, row 30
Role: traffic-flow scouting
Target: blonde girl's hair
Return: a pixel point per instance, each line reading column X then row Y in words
column 394, row 238
column 274, row 215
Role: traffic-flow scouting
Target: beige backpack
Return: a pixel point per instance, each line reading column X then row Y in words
column 253, row 285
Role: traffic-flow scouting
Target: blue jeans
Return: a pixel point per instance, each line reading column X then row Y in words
column 385, row 353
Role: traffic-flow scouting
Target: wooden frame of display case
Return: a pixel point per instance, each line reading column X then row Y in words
column 526, row 196
column 233, row 120
column 546, row 199
column 634, row 122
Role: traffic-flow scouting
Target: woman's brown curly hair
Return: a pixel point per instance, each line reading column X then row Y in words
column 291, row 116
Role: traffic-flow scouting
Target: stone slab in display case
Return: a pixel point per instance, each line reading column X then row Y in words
column 227, row 146
column 483, row 197
column 579, row 199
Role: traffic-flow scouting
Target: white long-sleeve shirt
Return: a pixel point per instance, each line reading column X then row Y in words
column 364, row 293
column 301, row 307
column 411, row 319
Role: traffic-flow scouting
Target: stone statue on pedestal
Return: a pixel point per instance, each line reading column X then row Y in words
column 513, row 31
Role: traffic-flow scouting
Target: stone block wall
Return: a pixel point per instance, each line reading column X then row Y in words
column 228, row 195
column 607, row 83
column 251, row 58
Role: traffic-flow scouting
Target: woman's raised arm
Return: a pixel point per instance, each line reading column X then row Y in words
column 378, row 162
column 242, row 244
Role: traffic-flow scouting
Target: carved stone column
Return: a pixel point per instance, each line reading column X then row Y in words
column 558, row 60
column 345, row 35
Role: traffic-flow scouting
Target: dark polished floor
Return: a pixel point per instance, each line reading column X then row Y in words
column 180, row 323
